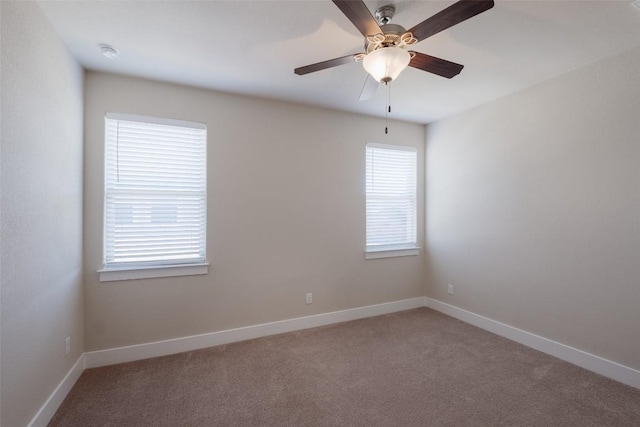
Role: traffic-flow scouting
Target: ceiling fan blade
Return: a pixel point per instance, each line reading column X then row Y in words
column 369, row 88
column 359, row 15
column 454, row 14
column 324, row 64
column 434, row 65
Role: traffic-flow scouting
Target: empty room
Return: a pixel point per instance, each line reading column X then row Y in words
column 319, row 213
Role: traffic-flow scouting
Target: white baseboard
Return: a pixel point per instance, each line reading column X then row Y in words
column 591, row 362
column 48, row 410
column 113, row 356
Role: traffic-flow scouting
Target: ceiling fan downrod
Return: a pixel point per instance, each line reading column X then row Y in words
column 384, row 14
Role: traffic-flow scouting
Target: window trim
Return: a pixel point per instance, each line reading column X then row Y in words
column 394, row 250
column 152, row 272
column 169, row 268
column 155, row 120
column 391, row 253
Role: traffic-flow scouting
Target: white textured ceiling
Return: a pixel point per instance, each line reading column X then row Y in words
column 252, row 47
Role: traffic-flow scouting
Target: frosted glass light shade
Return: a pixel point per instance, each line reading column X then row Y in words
column 386, row 64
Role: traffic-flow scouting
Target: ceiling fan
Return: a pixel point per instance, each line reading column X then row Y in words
column 386, row 45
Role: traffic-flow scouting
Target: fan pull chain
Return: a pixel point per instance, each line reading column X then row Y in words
column 389, row 98
column 388, row 109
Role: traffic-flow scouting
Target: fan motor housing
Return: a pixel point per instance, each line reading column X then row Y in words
column 393, row 29
column 392, row 33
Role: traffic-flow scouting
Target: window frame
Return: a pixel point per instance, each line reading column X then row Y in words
column 399, row 249
column 151, row 269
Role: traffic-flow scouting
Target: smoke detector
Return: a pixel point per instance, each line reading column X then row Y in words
column 109, row 51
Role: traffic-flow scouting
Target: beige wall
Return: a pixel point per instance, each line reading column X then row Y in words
column 285, row 216
column 533, row 209
column 41, row 211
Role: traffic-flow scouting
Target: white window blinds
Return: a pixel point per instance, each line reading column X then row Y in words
column 391, row 197
column 155, row 192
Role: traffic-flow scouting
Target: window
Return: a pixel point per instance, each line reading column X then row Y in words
column 391, row 200
column 155, row 198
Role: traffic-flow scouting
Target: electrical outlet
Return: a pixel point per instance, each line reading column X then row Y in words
column 309, row 298
column 450, row 288
column 67, row 346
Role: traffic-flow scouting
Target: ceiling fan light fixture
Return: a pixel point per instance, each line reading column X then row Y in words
column 386, row 64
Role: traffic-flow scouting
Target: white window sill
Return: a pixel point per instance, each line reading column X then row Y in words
column 390, row 253
column 113, row 274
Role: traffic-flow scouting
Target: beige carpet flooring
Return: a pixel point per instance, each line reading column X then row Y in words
column 414, row 368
